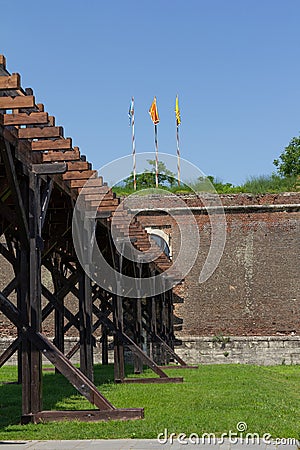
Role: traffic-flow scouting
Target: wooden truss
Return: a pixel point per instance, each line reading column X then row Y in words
column 41, row 176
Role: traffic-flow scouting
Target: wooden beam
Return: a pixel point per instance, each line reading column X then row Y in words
column 90, row 197
column 128, row 342
column 47, row 169
column 52, row 121
column 61, row 156
column 35, row 118
column 46, row 200
column 85, row 326
column 59, row 144
column 92, row 415
column 37, row 133
column 34, row 297
column 84, row 175
column 97, row 182
column 10, row 82
column 80, row 165
column 26, row 101
column 9, row 352
column 113, row 203
column 83, row 385
column 95, row 190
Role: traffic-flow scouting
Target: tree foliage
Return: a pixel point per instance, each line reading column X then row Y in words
column 288, row 163
column 146, row 179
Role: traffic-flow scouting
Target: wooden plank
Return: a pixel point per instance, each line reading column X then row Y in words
column 52, row 121
column 80, row 165
column 36, row 133
column 97, row 182
column 61, row 156
column 10, row 82
column 92, row 415
column 25, row 101
column 51, row 168
column 108, row 197
column 45, row 145
column 113, row 203
column 75, row 175
column 95, row 190
column 35, row 118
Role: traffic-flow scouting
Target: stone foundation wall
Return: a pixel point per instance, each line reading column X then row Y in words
column 259, row 350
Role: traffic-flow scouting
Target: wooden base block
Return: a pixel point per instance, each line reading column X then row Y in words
column 173, row 366
column 92, row 415
column 151, row 380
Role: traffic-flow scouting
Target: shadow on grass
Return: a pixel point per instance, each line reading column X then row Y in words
column 58, row 394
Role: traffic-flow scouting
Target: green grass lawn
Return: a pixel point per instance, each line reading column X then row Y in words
column 213, row 398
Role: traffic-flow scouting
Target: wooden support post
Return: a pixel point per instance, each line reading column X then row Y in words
column 104, row 343
column 85, row 303
column 138, row 365
column 153, row 323
column 170, row 334
column 85, row 327
column 35, row 287
column 76, row 378
column 58, row 314
column 104, row 338
column 23, row 303
column 163, row 321
column 119, row 367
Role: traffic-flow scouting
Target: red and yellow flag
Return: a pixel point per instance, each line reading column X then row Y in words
column 153, row 112
column 177, row 111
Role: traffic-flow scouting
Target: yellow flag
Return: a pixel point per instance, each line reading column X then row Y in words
column 177, row 112
column 153, row 112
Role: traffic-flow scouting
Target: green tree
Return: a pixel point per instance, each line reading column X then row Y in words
column 288, row 163
column 166, row 178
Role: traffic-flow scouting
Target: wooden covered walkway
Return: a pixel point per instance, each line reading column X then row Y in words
column 41, row 176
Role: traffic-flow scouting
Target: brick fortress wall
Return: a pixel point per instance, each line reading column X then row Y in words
column 254, row 294
column 255, row 290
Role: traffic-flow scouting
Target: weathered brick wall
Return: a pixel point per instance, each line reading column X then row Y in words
column 256, row 289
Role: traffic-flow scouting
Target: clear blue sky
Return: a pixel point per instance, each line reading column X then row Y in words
column 235, row 65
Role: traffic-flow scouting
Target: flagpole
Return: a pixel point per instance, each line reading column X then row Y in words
column 178, row 155
column 156, row 156
column 133, row 147
column 155, row 119
column 178, row 121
